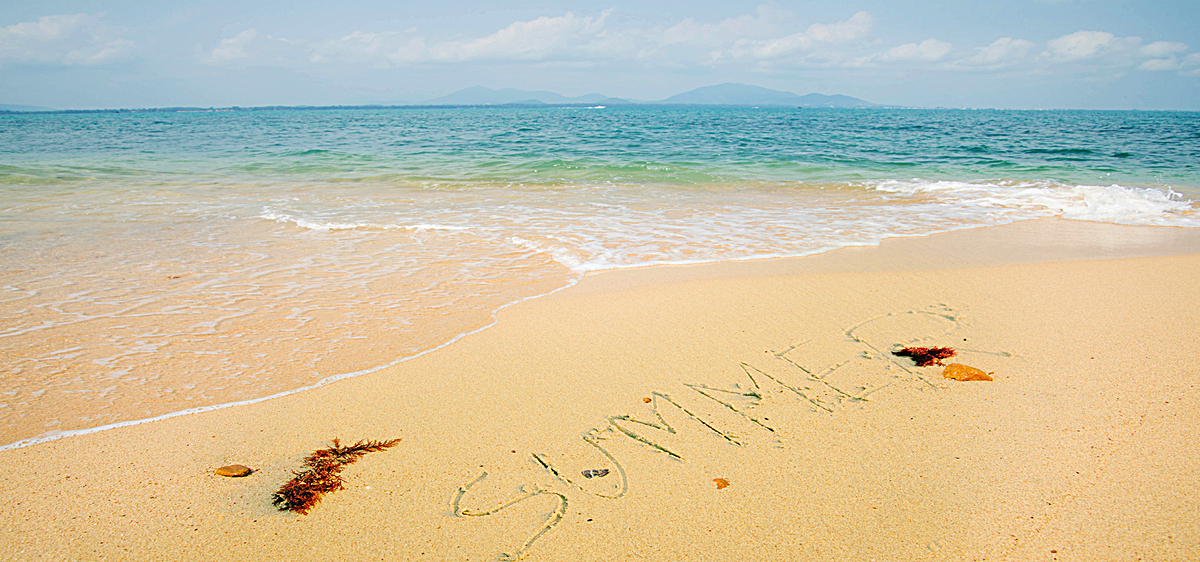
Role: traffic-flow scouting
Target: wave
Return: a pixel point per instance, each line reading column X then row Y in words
column 278, row 216
column 1079, row 151
column 1112, row 203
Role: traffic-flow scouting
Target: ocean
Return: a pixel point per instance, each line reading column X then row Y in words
column 161, row 263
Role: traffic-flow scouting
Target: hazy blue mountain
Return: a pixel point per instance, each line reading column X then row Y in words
column 733, row 94
column 7, row 107
column 743, row 94
column 836, row 100
column 616, row 101
column 478, row 95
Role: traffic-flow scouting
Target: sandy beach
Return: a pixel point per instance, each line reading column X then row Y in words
column 773, row 376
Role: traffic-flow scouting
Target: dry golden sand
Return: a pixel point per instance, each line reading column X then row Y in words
column 1081, row 449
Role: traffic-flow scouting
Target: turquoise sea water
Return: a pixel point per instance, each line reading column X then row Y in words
column 561, row 146
column 159, row 262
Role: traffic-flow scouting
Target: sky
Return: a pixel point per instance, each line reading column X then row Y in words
column 1021, row 54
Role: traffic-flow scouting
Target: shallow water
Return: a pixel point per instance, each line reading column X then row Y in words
column 157, row 262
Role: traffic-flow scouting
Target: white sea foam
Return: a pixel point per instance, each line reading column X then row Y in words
column 640, row 229
column 560, row 254
column 1113, row 203
column 311, row 224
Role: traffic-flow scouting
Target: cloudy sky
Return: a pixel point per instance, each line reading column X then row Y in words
column 955, row 53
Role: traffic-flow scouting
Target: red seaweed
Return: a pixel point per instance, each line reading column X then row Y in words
column 321, row 474
column 926, row 356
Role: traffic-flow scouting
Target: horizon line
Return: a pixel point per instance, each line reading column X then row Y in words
column 281, row 107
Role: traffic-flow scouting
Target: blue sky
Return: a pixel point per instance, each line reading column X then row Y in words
column 1013, row 54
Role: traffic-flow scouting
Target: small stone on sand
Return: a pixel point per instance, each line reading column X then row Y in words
column 235, row 471
column 721, row 483
column 960, row 372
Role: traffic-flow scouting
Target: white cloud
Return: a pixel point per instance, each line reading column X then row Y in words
column 1159, row 49
column 543, row 38
column 690, row 32
column 816, row 37
column 411, row 51
column 763, row 23
column 1083, row 45
column 62, row 39
column 1169, row 61
column 1000, row 53
column 929, row 50
column 230, row 49
column 1103, row 50
column 528, row 40
column 568, row 38
column 858, row 26
column 253, row 48
column 774, row 48
column 100, row 53
column 768, row 39
column 378, row 49
column 1160, row 64
column 355, row 46
column 1190, row 65
column 45, row 29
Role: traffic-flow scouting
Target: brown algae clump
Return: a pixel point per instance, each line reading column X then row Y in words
column 926, row 356
column 322, row 473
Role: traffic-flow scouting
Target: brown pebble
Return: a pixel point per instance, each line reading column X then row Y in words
column 646, row 400
column 960, row 372
column 721, row 483
column 235, row 471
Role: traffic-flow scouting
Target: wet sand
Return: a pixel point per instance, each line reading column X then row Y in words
column 775, row 376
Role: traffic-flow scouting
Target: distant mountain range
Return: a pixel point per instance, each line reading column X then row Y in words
column 478, row 95
column 7, row 107
column 743, row 94
column 729, row 94
column 723, row 94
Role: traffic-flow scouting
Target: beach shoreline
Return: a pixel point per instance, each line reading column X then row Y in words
column 218, row 259
column 1022, row 242
column 777, row 377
